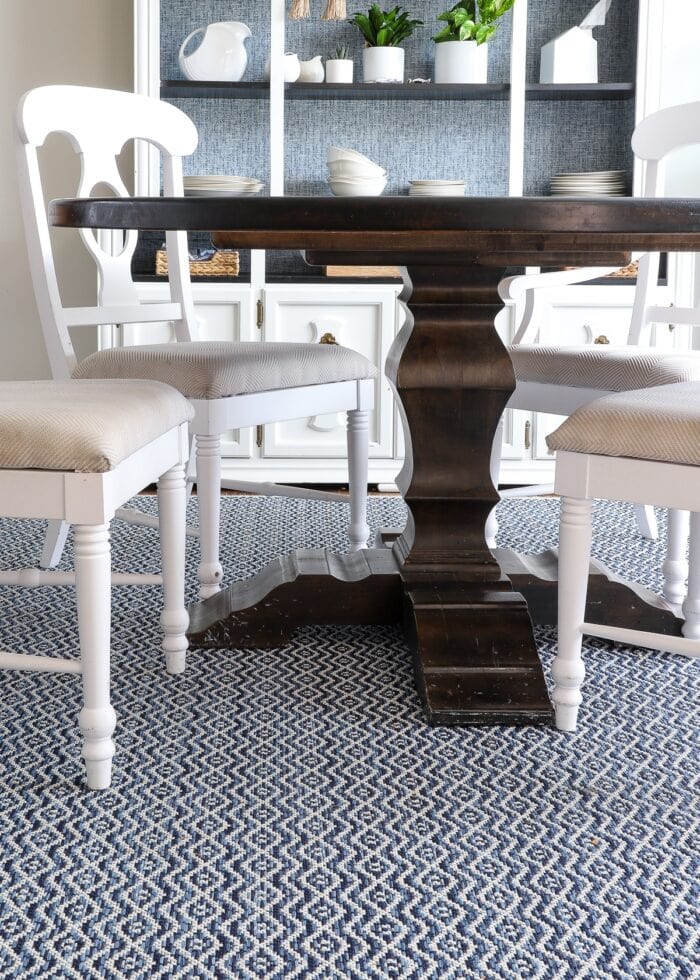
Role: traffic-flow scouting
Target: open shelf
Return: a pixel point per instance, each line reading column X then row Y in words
column 176, row 89
column 541, row 92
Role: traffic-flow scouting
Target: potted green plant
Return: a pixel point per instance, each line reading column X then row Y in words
column 339, row 65
column 383, row 31
column 461, row 54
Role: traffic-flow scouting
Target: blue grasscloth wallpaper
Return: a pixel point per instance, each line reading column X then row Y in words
column 411, row 139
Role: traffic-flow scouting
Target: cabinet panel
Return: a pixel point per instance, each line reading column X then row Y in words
column 361, row 318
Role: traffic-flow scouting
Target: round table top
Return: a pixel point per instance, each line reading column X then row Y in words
column 489, row 230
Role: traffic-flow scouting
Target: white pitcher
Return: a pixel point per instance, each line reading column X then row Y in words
column 311, row 70
column 221, row 55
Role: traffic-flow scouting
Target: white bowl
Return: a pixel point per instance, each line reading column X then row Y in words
column 343, row 153
column 353, row 168
column 346, row 187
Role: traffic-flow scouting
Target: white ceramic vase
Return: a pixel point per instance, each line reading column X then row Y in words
column 461, row 62
column 339, row 70
column 382, row 64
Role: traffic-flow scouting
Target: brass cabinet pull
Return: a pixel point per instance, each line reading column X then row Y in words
column 602, row 339
column 328, row 338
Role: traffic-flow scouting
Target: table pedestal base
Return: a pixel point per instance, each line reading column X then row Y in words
column 458, row 634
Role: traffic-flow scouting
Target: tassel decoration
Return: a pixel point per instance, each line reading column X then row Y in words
column 335, row 10
column 300, row 10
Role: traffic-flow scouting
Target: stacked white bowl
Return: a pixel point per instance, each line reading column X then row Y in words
column 351, row 174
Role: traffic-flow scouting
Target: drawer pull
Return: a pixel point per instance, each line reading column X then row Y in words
column 328, row 338
column 528, row 426
column 601, row 339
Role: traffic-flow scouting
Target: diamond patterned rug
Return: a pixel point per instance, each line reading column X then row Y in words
column 288, row 814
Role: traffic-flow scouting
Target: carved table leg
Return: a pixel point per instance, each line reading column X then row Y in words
column 475, row 656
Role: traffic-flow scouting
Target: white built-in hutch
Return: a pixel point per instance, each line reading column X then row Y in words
column 262, row 304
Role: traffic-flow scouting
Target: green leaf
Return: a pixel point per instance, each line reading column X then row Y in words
column 484, row 32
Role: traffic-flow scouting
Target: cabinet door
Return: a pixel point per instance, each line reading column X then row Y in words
column 223, row 313
column 360, row 317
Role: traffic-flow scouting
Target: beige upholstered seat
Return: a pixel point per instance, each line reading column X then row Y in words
column 558, row 378
column 660, row 423
column 83, row 426
column 75, row 451
column 602, row 367
column 633, row 446
column 208, row 370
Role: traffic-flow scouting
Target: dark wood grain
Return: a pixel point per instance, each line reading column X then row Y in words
column 470, row 630
column 462, row 229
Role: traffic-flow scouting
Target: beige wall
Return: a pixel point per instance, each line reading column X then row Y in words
column 86, row 42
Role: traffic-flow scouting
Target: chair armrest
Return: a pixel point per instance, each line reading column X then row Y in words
column 522, row 291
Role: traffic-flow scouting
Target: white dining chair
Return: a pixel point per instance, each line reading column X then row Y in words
column 229, row 385
column 559, row 379
column 75, row 451
column 636, row 446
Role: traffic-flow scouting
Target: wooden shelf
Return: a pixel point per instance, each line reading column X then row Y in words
column 577, row 92
column 394, row 91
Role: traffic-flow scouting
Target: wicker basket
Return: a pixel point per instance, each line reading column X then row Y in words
column 222, row 263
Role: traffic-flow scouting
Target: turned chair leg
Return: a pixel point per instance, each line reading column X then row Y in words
column 172, row 504
column 574, row 559
column 675, row 565
column 209, row 572
column 93, row 586
column 358, row 446
column 691, row 603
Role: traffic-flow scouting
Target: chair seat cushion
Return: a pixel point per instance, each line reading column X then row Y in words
column 207, row 369
column 83, row 426
column 661, row 423
column 602, row 367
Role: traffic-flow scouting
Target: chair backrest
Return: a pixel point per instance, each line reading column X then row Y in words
column 654, row 138
column 98, row 123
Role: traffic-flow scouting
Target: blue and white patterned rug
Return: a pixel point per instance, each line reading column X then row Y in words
column 288, row 814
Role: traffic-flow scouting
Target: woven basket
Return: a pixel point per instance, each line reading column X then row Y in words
column 222, row 263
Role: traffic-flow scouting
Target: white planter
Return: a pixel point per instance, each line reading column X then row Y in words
column 382, row 64
column 339, row 70
column 461, row 62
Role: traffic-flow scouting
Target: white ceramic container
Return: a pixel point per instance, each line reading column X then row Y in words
column 382, row 64
column 311, row 70
column 221, row 55
column 354, row 168
column 461, row 62
column 356, row 187
column 339, row 70
column 292, row 67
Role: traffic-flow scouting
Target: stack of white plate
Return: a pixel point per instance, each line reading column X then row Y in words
column 595, row 183
column 351, row 174
column 436, row 188
column 221, row 185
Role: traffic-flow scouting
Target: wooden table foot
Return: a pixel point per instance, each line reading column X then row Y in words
column 475, row 657
column 306, row 587
column 611, row 600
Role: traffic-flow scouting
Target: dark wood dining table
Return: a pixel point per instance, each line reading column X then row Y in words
column 467, row 611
